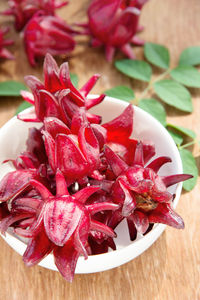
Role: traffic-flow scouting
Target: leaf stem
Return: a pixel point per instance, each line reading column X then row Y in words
column 151, row 82
column 188, row 144
column 146, row 90
column 162, row 75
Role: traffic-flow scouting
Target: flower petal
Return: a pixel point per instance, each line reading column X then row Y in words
column 45, row 193
column 157, row 163
column 69, row 159
column 92, row 118
column 83, row 195
column 27, row 96
column 55, row 126
column 61, row 185
column 126, row 26
column 141, row 221
column 100, row 133
column 129, row 202
column 88, row 86
column 79, row 119
column 51, row 76
column 102, row 17
column 98, row 226
column 25, row 205
column 66, row 80
column 173, row 179
column 48, row 106
column 139, row 156
column 165, row 214
column 50, row 149
column 131, row 228
column 97, row 207
column 116, row 163
column 35, row 145
column 66, row 259
column 10, row 219
column 89, row 146
column 14, row 183
column 94, row 101
column 61, row 218
column 121, row 127
column 81, row 235
column 37, row 249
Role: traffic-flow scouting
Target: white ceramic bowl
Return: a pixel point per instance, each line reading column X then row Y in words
column 12, row 141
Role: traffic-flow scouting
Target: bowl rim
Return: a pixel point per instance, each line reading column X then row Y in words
column 146, row 241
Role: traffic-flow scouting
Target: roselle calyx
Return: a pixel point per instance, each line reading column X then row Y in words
column 58, row 97
column 45, row 33
column 62, row 220
column 23, row 10
column 114, row 24
column 142, row 193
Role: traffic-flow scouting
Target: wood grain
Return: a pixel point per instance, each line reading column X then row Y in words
column 170, row 269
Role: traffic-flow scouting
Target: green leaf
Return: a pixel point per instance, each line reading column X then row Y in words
column 184, row 130
column 154, row 108
column 11, row 88
column 156, row 54
column 74, row 79
column 190, row 56
column 186, row 75
column 22, row 107
column 174, row 94
column 178, row 139
column 189, row 167
column 121, row 92
column 137, row 69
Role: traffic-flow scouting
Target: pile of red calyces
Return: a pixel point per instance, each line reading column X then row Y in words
column 77, row 179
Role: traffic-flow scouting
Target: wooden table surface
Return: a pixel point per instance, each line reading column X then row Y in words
column 170, row 269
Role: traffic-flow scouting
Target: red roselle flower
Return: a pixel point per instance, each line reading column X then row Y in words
column 142, row 193
column 114, row 25
column 58, row 223
column 4, row 53
column 50, row 34
column 23, row 10
column 57, row 97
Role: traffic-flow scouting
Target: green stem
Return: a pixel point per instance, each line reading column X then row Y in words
column 188, row 144
column 152, row 82
column 162, row 75
column 146, row 90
